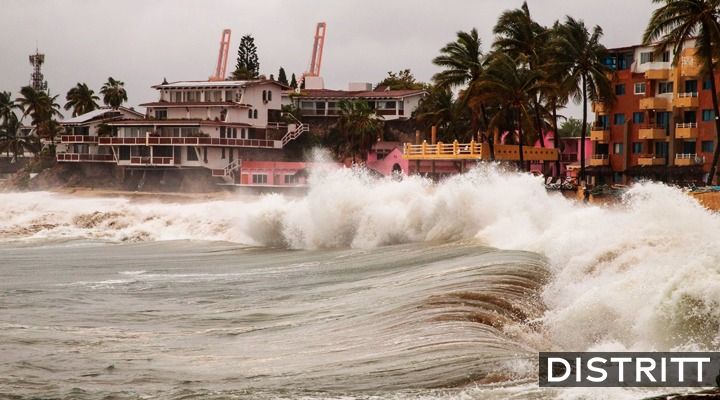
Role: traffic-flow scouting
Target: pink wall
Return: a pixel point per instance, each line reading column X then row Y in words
column 386, row 164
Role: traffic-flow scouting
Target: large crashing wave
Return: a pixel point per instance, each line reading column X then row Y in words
column 644, row 275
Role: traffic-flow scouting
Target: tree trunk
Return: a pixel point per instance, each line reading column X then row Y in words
column 490, row 137
column 538, row 123
column 581, row 178
column 556, row 138
column 716, row 155
column 520, row 142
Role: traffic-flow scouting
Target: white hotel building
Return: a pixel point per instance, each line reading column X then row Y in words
column 194, row 124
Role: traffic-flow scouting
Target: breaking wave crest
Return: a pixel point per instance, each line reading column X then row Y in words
column 642, row 275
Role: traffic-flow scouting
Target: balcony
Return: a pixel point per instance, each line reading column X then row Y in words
column 686, row 160
column 600, row 108
column 686, row 100
column 652, row 132
column 599, row 160
column 651, row 159
column 600, row 134
column 658, row 74
column 143, row 160
column 69, row 139
column 690, row 65
column 84, row 157
column 687, row 130
column 188, row 141
column 654, row 103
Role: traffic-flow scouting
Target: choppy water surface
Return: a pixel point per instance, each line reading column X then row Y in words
column 360, row 289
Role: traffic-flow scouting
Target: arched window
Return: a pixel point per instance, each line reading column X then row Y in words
column 269, row 95
column 249, row 113
column 265, row 96
column 255, row 114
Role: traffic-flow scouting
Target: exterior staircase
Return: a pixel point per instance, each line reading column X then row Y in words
column 294, row 130
column 228, row 173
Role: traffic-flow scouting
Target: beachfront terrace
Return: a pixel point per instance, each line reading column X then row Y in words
column 476, row 151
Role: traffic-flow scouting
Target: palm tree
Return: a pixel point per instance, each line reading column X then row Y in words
column 38, row 105
column 439, row 108
column 42, row 109
column 12, row 142
column 114, row 93
column 361, row 127
column 462, row 62
column 81, row 99
column 578, row 55
column 523, row 39
column 511, row 86
column 677, row 21
column 6, row 107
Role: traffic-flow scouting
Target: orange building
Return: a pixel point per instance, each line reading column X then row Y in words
column 662, row 125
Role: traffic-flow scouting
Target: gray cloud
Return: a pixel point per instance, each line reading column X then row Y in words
column 141, row 41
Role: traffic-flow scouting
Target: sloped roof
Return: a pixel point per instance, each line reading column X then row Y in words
column 365, row 94
column 101, row 113
column 215, row 84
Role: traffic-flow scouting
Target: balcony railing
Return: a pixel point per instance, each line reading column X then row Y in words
column 687, row 159
column 84, row 157
column 152, row 160
column 686, row 100
column 443, row 151
column 651, row 159
column 686, row 130
column 598, row 160
column 188, row 141
column 600, row 133
column 654, row 103
column 652, row 132
column 78, row 139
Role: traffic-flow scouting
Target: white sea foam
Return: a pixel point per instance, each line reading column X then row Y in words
column 645, row 275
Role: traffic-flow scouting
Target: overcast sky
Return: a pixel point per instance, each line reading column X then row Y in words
column 143, row 41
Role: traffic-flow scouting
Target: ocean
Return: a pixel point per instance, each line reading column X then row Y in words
column 361, row 288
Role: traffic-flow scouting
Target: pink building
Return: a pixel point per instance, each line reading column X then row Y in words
column 569, row 155
column 386, row 158
column 276, row 174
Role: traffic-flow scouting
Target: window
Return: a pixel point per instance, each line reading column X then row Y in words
column 707, row 146
column 666, row 56
column 638, row 117
column 603, row 121
column 662, row 119
column 259, row 179
column 191, row 154
column 665, row 87
column 691, row 86
column 619, row 119
column 620, row 89
column 617, row 177
column 646, row 57
column 222, row 152
column 222, row 132
column 269, row 95
column 637, row 148
column 255, row 114
column 264, row 96
column 161, row 114
column 661, row 149
column 707, row 84
column 249, row 113
column 708, row 115
column 640, row 88
column 618, row 148
column 291, row 179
